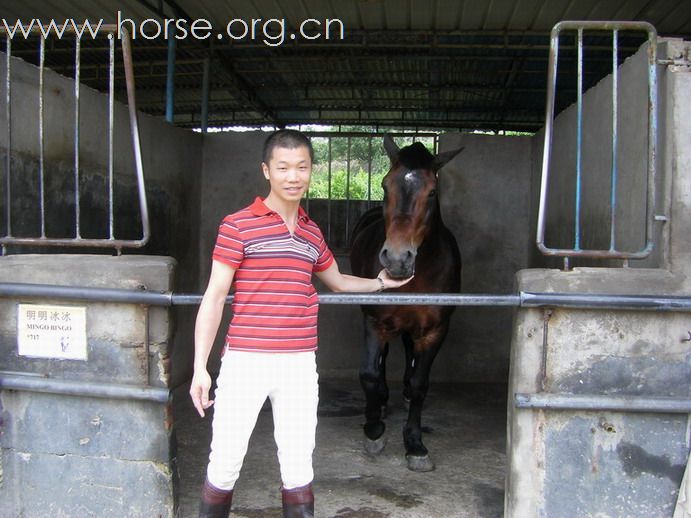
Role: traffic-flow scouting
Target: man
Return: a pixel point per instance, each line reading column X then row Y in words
column 269, row 250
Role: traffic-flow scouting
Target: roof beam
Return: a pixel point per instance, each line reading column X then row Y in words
column 237, row 81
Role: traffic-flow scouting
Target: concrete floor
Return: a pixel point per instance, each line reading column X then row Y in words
column 466, row 440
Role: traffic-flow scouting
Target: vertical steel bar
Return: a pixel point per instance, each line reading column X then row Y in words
column 111, row 127
column 328, row 203
column 369, row 172
column 134, row 129
column 77, row 65
column 170, row 81
column 579, row 143
column 8, row 115
column 206, row 78
column 41, row 134
column 615, row 137
column 652, row 133
column 549, row 126
column 347, row 192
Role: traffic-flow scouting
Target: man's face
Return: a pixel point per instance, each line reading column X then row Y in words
column 289, row 172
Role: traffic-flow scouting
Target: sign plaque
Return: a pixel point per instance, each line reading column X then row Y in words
column 56, row 332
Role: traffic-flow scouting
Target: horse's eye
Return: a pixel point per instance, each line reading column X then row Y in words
column 432, row 193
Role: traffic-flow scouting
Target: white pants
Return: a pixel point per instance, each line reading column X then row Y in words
column 244, row 382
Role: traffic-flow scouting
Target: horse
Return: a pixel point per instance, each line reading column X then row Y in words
column 406, row 236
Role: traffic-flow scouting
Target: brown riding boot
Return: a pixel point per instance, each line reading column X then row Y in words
column 214, row 502
column 298, row 502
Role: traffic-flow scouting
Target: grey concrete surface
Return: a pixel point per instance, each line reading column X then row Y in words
column 81, row 455
column 466, row 437
column 565, row 463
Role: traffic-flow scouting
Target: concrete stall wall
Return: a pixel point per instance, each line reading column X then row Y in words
column 96, row 452
column 564, row 463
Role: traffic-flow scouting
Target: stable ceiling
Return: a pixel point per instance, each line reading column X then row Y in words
column 457, row 64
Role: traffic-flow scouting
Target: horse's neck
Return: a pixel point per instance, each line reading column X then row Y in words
column 435, row 236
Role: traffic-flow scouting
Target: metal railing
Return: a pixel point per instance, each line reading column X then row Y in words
column 113, row 34
column 653, row 303
column 613, row 252
column 659, row 303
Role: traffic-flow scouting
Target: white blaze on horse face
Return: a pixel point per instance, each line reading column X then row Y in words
column 409, row 177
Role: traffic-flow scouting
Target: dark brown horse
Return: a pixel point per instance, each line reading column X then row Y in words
column 408, row 236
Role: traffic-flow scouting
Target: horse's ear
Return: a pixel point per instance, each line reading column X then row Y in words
column 443, row 158
column 391, row 148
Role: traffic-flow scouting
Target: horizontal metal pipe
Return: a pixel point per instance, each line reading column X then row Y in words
column 523, row 300
column 37, row 383
column 407, row 299
column 604, row 301
column 661, row 405
column 151, row 298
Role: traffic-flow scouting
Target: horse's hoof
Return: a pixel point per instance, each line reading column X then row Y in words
column 420, row 463
column 376, row 446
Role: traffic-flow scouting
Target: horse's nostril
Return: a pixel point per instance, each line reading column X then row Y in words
column 384, row 252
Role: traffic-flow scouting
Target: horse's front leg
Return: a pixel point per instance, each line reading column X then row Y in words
column 373, row 381
column 426, row 349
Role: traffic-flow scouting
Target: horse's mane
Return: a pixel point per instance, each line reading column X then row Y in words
column 416, row 156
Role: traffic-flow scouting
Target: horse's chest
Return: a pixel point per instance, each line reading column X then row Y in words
column 414, row 320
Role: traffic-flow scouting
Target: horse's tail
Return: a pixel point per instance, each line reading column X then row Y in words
column 371, row 216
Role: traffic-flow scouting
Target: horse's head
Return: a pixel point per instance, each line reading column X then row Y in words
column 411, row 204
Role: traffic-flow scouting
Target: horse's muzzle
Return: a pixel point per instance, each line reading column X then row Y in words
column 399, row 262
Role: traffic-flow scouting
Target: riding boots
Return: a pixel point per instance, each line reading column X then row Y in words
column 298, row 502
column 214, row 503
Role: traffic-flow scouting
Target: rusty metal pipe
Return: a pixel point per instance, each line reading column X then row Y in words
column 597, row 402
column 38, row 383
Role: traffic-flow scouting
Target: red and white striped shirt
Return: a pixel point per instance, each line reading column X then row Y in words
column 275, row 304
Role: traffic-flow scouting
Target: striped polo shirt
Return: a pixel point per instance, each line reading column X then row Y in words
column 275, row 304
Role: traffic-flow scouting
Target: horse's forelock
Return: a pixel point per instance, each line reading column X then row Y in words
column 416, row 156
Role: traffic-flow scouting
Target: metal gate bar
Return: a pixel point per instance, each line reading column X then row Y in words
column 111, row 32
column 612, row 252
column 661, row 303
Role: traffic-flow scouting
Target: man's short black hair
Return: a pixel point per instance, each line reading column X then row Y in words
column 288, row 139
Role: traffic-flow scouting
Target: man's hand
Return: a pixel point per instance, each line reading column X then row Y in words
column 389, row 282
column 199, row 391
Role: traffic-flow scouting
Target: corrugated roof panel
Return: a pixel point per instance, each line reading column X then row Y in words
column 473, row 15
column 421, row 15
column 447, row 14
column 678, row 11
column 498, row 14
column 550, row 12
column 402, row 60
column 523, row 15
column 396, row 15
column 581, row 10
column 371, row 15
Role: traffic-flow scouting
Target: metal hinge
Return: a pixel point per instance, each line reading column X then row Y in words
column 682, row 61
